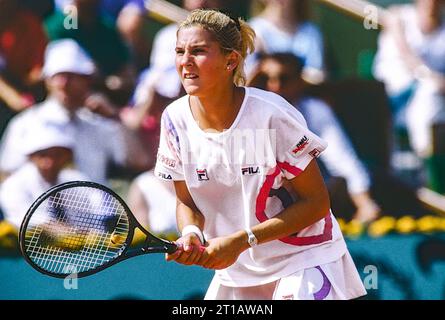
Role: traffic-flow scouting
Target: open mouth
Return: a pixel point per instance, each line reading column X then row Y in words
column 190, row 76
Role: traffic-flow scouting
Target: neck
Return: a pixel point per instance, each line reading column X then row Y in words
column 218, row 110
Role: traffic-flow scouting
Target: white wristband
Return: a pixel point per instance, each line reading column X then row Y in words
column 252, row 240
column 191, row 228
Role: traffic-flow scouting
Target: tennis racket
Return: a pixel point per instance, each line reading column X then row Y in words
column 82, row 227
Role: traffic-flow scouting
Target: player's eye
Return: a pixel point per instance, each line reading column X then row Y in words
column 198, row 51
column 179, row 51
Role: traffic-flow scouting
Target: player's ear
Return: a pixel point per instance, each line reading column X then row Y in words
column 232, row 60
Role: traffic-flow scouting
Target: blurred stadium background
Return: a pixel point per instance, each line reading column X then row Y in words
column 405, row 248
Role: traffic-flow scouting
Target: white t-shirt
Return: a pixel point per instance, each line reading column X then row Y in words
column 235, row 178
column 24, row 186
column 98, row 141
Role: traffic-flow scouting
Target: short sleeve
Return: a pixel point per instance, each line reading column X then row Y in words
column 168, row 163
column 296, row 145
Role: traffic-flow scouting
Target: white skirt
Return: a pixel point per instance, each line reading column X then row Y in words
column 338, row 280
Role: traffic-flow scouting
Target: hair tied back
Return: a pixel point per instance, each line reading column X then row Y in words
column 232, row 17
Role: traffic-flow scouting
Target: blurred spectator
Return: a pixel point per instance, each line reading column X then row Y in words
column 98, row 35
column 131, row 21
column 41, row 8
column 130, row 18
column 153, row 202
column 49, row 150
column 88, row 117
column 283, row 27
column 22, row 45
column 281, row 73
column 411, row 62
column 159, row 84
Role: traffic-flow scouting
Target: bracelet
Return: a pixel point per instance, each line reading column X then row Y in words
column 191, row 228
column 252, row 240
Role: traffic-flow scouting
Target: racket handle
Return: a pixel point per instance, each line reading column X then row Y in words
column 180, row 247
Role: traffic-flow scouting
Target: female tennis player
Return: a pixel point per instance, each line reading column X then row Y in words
column 247, row 184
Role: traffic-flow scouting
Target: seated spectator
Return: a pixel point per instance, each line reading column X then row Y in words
column 281, row 73
column 411, row 62
column 88, row 117
column 49, row 152
column 153, row 203
column 99, row 37
column 283, row 27
column 22, row 45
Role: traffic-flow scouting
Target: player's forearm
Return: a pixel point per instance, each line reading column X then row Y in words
column 187, row 216
column 293, row 219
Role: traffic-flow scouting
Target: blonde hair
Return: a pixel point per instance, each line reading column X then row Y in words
column 232, row 34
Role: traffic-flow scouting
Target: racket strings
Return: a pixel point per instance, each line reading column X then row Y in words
column 76, row 230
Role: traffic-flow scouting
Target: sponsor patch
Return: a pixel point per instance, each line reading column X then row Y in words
column 171, row 163
column 300, row 145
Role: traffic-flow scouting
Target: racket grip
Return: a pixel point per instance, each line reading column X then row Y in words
column 180, row 247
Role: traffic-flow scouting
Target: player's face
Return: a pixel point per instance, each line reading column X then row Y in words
column 200, row 62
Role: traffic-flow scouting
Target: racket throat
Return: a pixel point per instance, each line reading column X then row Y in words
column 158, row 246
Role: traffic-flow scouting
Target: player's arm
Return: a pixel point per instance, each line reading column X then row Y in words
column 312, row 205
column 187, row 214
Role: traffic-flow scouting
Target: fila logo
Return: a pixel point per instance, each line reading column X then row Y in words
column 315, row 153
column 250, row 170
column 202, row 175
column 165, row 176
column 301, row 145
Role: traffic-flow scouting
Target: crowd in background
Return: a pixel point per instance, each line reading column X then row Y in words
column 82, row 88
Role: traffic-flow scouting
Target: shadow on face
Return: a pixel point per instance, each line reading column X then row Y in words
column 51, row 161
column 283, row 78
column 69, row 89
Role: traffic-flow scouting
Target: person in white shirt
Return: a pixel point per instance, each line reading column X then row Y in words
column 89, row 118
column 246, row 182
column 281, row 73
column 49, row 152
column 410, row 60
column 283, row 27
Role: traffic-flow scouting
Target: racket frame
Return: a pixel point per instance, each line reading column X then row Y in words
column 152, row 244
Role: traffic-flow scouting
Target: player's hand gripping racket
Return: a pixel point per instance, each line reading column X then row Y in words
column 82, row 227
